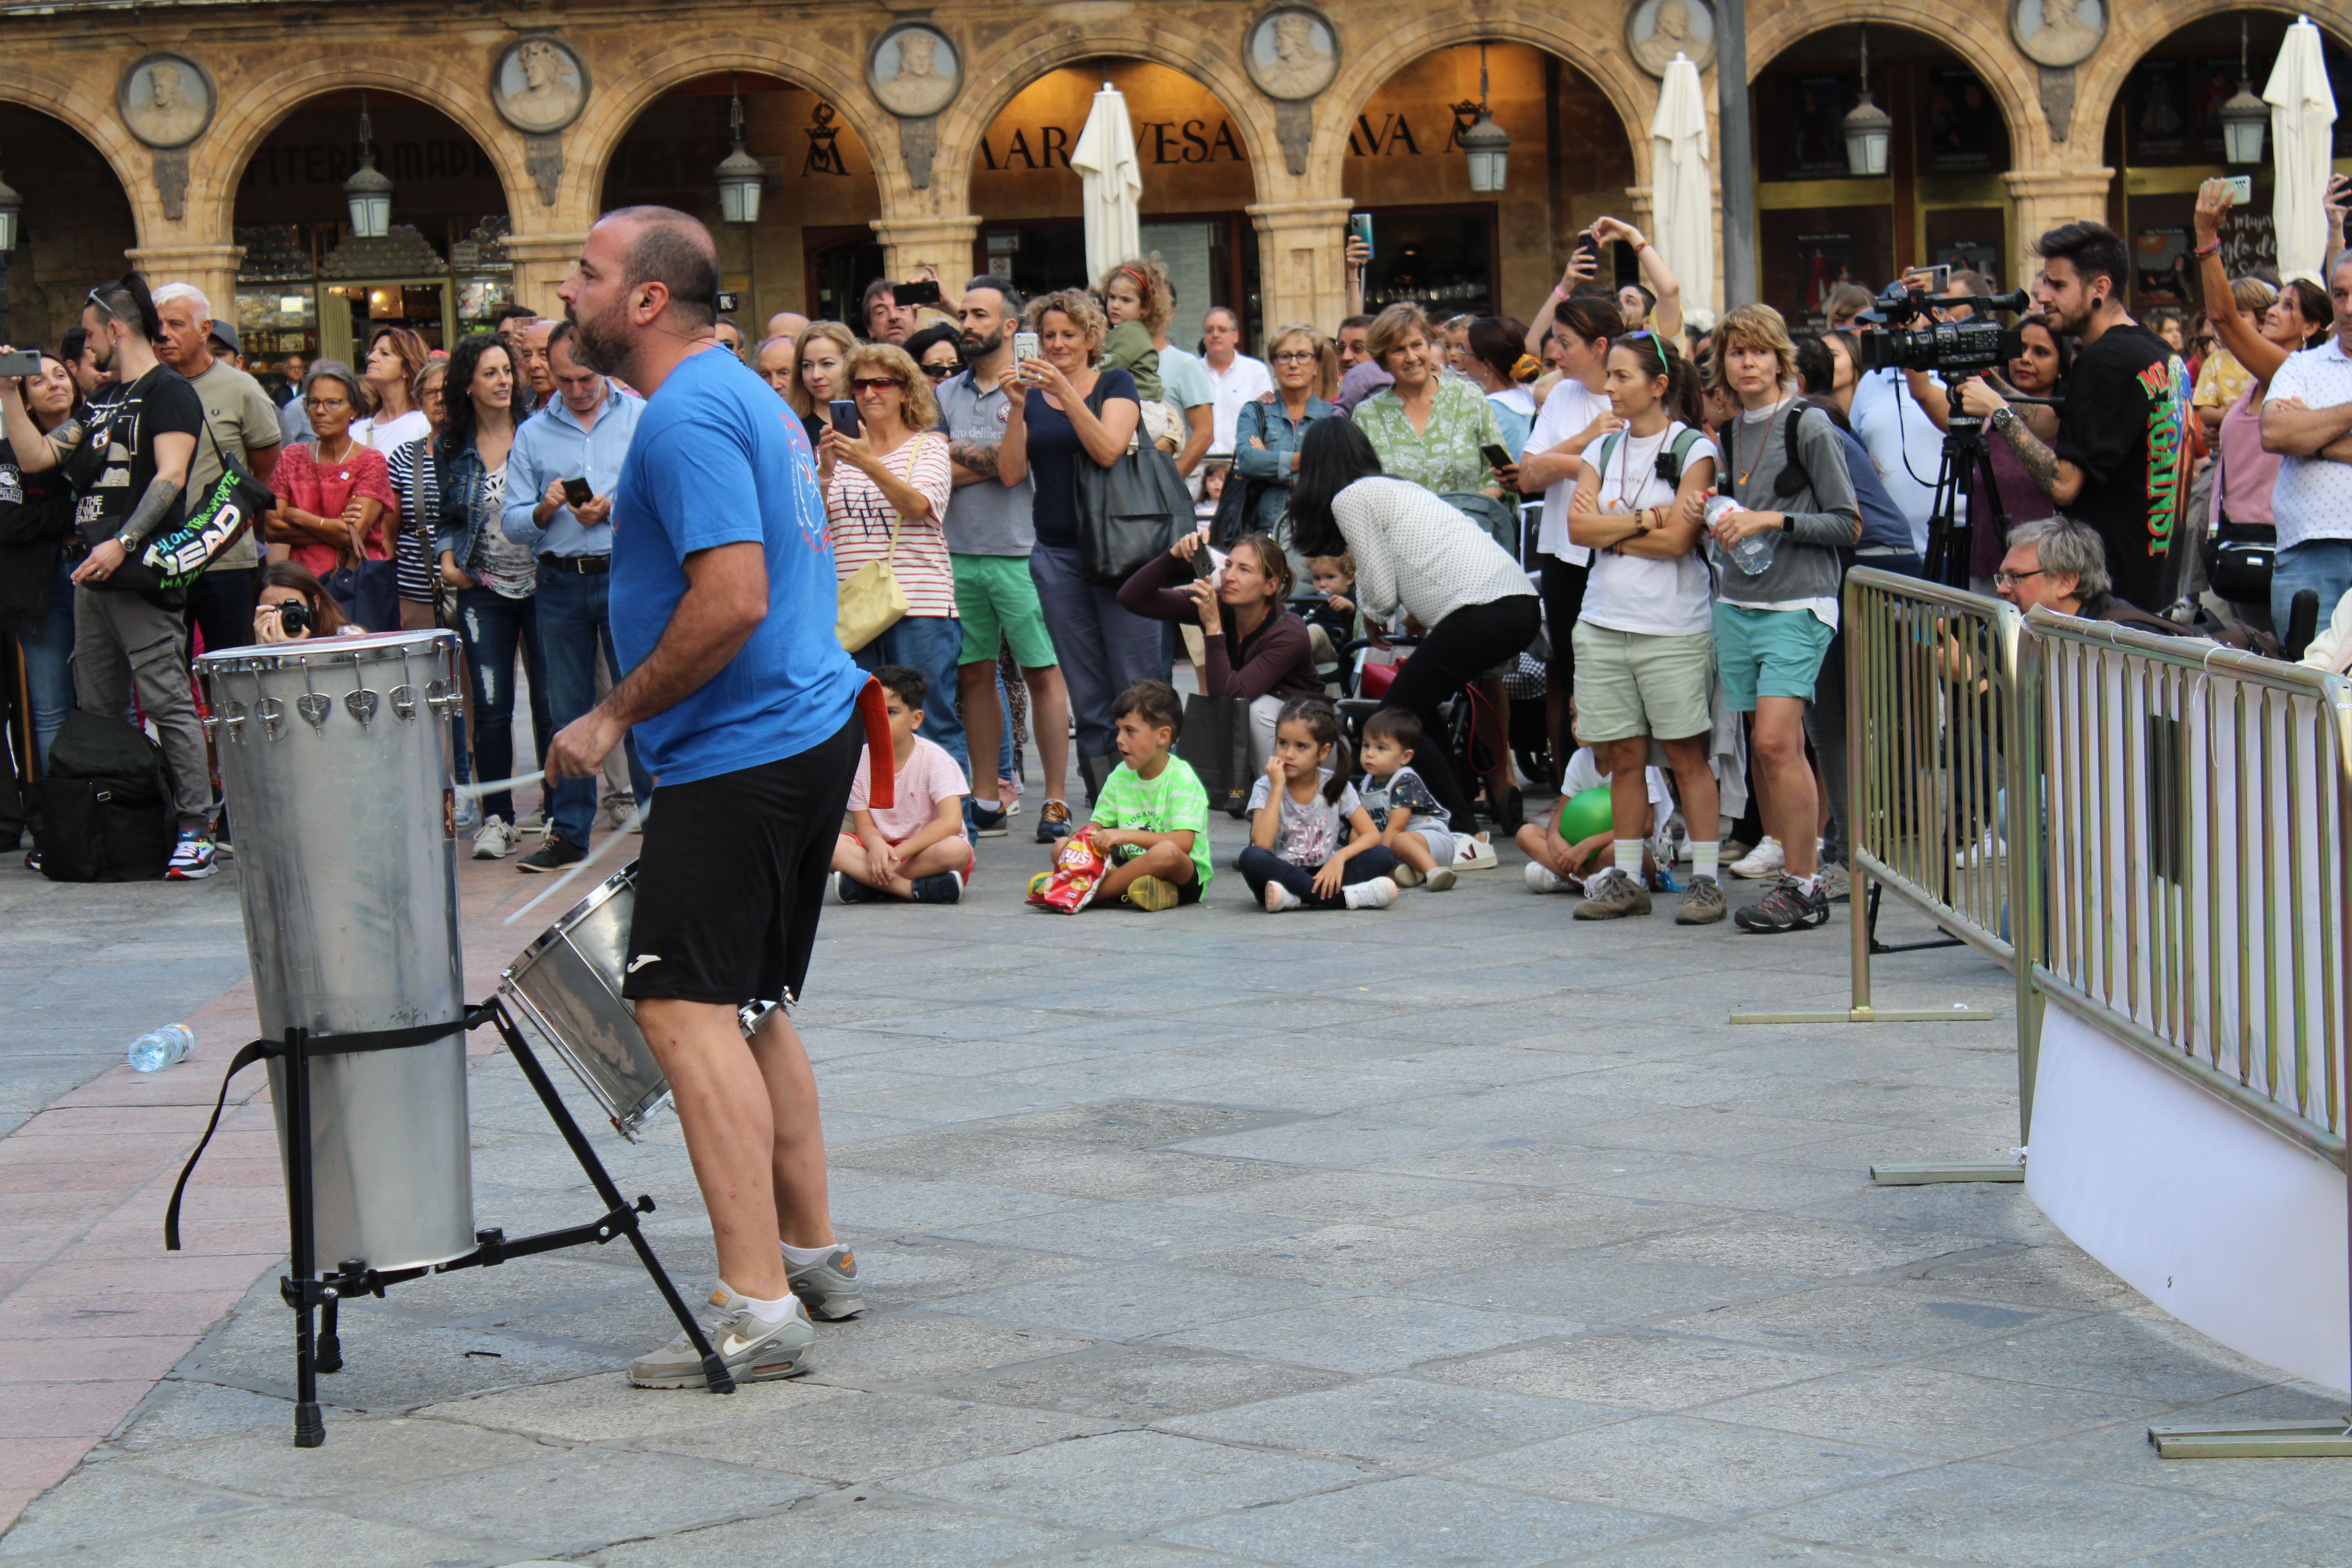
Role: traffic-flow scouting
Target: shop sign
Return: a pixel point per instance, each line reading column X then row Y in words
column 1157, row 142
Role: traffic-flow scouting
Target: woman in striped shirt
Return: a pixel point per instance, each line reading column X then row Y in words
column 892, row 479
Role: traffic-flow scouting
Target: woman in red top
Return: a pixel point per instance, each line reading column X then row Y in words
column 335, row 500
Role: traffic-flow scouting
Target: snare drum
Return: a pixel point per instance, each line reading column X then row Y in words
column 567, row 985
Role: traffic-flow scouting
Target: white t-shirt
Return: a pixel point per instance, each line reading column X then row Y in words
column 1569, row 407
column 1631, row 592
column 1238, row 382
column 392, row 434
column 1583, row 773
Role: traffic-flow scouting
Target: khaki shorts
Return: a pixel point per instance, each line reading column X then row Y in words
column 1638, row 683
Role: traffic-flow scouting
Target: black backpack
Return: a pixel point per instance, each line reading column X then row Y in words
column 107, row 802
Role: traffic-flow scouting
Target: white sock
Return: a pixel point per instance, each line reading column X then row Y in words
column 766, row 1312
column 1629, row 856
column 803, row 1256
column 1284, row 898
column 1821, row 855
column 1706, row 858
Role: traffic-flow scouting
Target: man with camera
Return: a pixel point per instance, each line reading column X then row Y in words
column 2120, row 461
column 560, row 477
column 1894, row 412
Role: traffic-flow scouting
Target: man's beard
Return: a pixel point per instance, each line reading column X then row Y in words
column 2072, row 325
column 976, row 347
column 598, row 343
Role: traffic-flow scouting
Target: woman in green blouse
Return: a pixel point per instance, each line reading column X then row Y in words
column 1427, row 427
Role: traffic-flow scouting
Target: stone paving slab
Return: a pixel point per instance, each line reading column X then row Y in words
column 1459, row 1234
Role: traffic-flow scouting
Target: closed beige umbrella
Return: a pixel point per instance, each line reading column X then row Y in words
column 1681, row 190
column 2302, row 150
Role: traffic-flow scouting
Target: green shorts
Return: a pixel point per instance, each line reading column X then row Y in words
column 998, row 602
column 1641, row 683
column 1768, row 653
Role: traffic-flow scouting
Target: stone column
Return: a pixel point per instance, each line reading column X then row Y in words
column 2048, row 197
column 1302, row 261
column 211, row 268
column 541, row 261
column 910, row 243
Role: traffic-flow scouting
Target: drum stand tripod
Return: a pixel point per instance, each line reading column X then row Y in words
column 307, row 1291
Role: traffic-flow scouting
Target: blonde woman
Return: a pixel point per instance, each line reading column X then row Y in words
column 893, row 477
column 820, row 374
column 1267, row 433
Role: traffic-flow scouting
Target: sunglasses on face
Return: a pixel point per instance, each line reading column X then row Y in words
column 874, row 383
column 937, row 371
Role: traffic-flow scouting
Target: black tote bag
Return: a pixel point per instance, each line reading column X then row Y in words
column 1216, row 745
column 1128, row 512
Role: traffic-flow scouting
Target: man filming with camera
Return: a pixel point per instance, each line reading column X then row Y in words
column 2120, row 461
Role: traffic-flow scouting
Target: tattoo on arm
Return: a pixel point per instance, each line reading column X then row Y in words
column 2041, row 464
column 148, row 515
column 67, row 439
column 975, row 458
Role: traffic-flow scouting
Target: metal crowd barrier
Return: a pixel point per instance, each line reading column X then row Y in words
column 2190, row 887
column 1931, row 727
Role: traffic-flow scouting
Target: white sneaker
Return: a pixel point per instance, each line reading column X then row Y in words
column 616, row 809
column 1377, row 894
column 1767, row 860
column 1983, row 852
column 1441, row 879
column 496, row 836
column 1472, row 853
column 1279, row 898
column 1542, row 878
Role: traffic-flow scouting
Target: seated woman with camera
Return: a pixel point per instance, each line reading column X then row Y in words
column 295, row 607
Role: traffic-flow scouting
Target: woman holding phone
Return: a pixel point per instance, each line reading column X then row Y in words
column 1062, row 413
column 821, row 376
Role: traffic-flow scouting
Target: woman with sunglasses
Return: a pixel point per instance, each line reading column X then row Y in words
column 892, row 479
column 938, row 351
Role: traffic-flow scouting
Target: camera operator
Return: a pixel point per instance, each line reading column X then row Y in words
column 1895, row 415
column 295, row 605
column 2120, row 461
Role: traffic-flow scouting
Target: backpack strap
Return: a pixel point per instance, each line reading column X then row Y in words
column 1793, row 476
column 1678, row 454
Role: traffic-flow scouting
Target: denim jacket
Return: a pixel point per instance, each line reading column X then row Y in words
column 1271, row 423
column 466, row 511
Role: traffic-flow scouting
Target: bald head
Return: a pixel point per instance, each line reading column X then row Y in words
column 664, row 245
column 644, row 295
column 787, row 324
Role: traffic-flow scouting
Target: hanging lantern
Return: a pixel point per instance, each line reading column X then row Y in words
column 740, row 178
column 1868, row 128
column 12, row 209
column 1486, row 145
column 368, row 192
column 2246, row 116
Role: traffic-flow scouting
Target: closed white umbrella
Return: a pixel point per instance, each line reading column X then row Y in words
column 1105, row 157
column 2303, row 149
column 1682, row 195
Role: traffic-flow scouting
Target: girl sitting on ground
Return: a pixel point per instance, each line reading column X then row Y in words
column 1294, row 858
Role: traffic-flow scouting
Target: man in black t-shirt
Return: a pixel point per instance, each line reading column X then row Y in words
column 2121, row 460
column 127, row 458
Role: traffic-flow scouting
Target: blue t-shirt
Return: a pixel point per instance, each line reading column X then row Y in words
column 719, row 460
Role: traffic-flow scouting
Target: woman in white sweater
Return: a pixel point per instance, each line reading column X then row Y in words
column 1472, row 603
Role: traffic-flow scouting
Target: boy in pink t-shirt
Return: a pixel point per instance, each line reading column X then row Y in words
column 916, row 848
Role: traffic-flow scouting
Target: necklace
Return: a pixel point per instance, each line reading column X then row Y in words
column 1740, row 482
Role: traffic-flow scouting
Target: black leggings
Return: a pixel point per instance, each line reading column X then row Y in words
column 1258, row 866
column 1454, row 652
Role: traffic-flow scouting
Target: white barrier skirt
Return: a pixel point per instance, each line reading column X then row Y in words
column 2229, row 1227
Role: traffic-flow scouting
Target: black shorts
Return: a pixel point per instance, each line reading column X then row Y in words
column 733, row 875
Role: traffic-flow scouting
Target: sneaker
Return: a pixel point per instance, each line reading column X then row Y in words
column 32, row 860
column 617, row 807
column 1788, row 906
column 938, row 888
column 1612, row 896
column 987, row 820
column 828, row 1288
column 753, row 1351
column 1542, row 878
column 1472, row 852
column 193, row 857
column 1983, row 852
column 552, row 855
column 1279, row 898
column 1152, row 893
column 1407, row 876
column 496, row 836
column 468, row 817
column 1835, row 882
column 1703, row 905
column 1767, row 860
column 1054, row 821
column 1377, row 894
column 534, row 821
column 1441, row 879
column 848, row 889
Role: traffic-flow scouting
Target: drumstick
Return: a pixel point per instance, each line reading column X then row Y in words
column 636, row 815
column 496, row 786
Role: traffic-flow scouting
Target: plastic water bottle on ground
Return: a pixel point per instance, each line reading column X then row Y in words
column 159, row 1048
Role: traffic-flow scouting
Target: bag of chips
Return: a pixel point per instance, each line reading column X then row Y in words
column 1078, row 868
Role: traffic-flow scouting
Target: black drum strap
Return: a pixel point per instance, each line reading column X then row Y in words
column 319, row 1044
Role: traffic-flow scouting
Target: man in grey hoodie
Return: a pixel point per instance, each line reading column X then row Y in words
column 1778, row 574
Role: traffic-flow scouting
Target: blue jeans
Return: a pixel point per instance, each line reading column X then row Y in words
column 2325, row 564
column 49, row 664
column 1105, row 649
column 573, row 622
column 932, row 644
column 493, row 626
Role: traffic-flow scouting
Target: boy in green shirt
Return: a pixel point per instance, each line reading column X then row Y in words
column 1152, row 814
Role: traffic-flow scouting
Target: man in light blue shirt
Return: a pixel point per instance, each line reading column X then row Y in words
column 582, row 435
column 1906, row 447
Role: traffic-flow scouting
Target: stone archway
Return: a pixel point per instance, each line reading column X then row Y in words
column 77, row 106
column 2133, row 30
column 79, row 224
column 1978, row 36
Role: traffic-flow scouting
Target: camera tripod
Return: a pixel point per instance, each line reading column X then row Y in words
column 1964, row 473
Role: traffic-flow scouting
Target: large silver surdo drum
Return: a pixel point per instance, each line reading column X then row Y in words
column 337, row 756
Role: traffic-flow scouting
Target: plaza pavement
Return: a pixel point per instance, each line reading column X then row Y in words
column 1456, row 1233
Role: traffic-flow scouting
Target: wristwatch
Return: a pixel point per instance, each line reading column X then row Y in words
column 2003, row 417
column 129, row 545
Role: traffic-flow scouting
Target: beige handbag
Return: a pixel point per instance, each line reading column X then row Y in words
column 870, row 600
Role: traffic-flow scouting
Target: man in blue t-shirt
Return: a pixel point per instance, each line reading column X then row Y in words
column 743, row 706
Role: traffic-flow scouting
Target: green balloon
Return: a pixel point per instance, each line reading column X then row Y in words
column 1585, row 814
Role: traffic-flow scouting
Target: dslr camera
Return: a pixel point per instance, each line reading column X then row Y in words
column 1952, row 348
column 296, row 618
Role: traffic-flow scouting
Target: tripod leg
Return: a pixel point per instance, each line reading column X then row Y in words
column 714, row 1370
column 330, row 1346
column 310, row 1427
